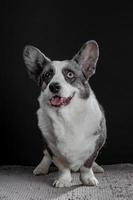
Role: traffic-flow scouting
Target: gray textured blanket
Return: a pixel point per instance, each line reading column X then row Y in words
column 18, row 183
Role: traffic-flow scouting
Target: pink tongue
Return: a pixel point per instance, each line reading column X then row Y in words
column 57, row 101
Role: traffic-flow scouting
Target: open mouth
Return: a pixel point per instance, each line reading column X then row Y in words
column 58, row 101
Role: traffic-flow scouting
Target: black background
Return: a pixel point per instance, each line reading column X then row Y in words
column 59, row 28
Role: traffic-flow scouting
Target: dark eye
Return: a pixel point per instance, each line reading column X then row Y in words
column 70, row 75
column 47, row 75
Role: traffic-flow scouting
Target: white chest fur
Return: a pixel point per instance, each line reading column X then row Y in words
column 70, row 130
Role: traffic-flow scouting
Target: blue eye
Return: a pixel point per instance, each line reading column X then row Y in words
column 70, row 75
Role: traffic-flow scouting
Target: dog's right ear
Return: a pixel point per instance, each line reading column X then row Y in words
column 35, row 61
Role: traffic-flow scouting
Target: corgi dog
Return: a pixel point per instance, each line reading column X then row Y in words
column 71, row 120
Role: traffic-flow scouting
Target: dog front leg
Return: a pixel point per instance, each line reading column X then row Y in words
column 87, row 176
column 44, row 165
column 65, row 178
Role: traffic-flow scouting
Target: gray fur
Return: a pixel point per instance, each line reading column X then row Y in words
column 79, row 80
column 102, row 132
column 46, row 69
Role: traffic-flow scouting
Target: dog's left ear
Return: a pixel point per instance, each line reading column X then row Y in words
column 87, row 58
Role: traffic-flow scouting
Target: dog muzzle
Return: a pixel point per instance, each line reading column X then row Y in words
column 58, row 101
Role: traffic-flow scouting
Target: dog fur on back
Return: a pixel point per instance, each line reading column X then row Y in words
column 70, row 117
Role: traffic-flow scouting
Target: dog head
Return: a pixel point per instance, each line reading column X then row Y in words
column 61, row 81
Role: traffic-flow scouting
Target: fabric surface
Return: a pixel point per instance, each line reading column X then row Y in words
column 18, row 183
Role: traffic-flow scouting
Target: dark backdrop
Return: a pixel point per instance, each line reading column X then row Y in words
column 59, row 28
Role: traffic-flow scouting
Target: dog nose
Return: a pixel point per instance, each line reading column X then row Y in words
column 54, row 87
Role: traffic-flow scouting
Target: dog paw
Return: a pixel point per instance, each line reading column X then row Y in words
column 40, row 171
column 90, row 181
column 61, row 183
column 97, row 168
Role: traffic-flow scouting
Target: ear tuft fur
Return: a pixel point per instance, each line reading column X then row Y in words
column 35, row 61
column 87, row 58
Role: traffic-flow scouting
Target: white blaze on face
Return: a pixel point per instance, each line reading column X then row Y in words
column 66, row 89
column 58, row 66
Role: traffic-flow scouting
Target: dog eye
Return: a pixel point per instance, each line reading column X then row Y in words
column 70, row 75
column 47, row 75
